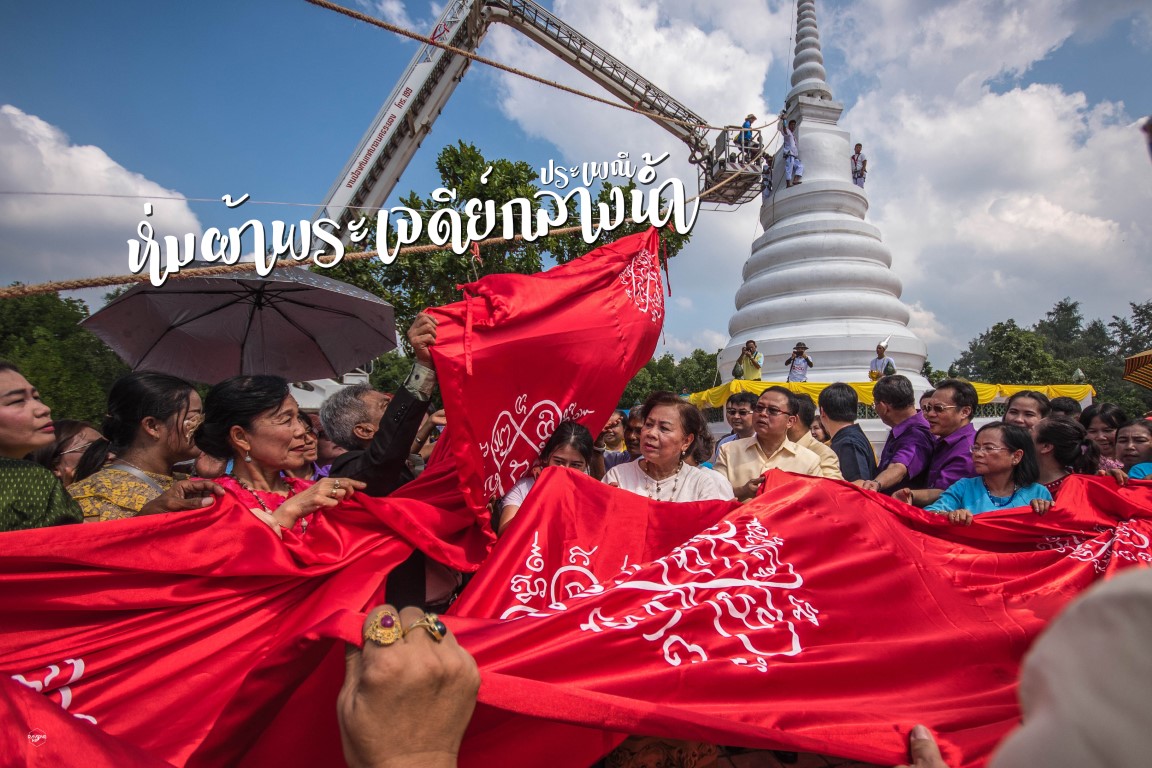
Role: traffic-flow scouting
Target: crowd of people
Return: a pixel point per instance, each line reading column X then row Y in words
column 161, row 448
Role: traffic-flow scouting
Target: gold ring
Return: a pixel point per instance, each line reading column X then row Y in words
column 432, row 623
column 384, row 629
column 333, row 493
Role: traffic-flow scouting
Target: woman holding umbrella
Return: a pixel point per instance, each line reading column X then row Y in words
column 147, row 430
column 254, row 421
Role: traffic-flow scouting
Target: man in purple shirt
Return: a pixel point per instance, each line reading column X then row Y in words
column 904, row 460
column 949, row 414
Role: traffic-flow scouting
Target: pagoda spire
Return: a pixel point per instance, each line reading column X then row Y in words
column 820, row 273
column 808, row 72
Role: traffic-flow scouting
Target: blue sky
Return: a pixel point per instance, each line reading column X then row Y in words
column 1006, row 166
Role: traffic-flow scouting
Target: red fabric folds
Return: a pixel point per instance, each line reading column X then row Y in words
column 203, row 639
column 818, row 617
column 160, row 626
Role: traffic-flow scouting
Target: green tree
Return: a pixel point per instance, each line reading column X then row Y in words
column 1133, row 335
column 932, row 374
column 389, row 371
column 1008, row 354
column 1062, row 329
column 70, row 366
column 412, row 283
column 696, row 371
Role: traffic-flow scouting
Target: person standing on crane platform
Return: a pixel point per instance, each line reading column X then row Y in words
column 747, row 138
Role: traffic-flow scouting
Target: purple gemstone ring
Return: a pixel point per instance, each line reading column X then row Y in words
column 384, row 628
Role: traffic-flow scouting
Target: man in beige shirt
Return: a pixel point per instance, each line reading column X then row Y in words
column 801, row 434
column 745, row 461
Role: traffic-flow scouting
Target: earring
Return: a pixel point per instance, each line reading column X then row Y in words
column 247, row 457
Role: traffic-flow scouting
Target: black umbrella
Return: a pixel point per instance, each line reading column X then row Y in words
column 293, row 323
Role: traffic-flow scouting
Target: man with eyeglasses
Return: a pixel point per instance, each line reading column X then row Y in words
column 738, row 412
column 604, row 460
column 745, row 461
column 949, row 414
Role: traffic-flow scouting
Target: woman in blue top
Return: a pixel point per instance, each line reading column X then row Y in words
column 1005, row 461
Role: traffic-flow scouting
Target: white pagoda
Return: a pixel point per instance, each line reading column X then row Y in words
column 820, row 274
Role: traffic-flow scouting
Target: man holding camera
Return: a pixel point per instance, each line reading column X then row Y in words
column 750, row 362
column 799, row 363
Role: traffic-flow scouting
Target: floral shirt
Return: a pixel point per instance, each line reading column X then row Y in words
column 114, row 493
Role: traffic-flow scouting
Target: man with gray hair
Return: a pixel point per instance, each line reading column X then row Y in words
column 378, row 432
column 351, row 417
column 378, row 429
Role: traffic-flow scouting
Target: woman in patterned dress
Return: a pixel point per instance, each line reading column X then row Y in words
column 147, row 430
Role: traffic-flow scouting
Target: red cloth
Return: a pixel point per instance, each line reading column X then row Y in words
column 523, row 352
column 179, row 621
column 204, row 639
column 818, row 617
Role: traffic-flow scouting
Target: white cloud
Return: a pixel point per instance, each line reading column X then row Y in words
column 706, row 339
column 925, row 325
column 997, row 205
column 59, row 237
column 391, row 11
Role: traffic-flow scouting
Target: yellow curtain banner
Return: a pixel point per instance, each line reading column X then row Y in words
column 985, row 393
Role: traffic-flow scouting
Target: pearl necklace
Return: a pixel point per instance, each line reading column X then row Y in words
column 654, row 491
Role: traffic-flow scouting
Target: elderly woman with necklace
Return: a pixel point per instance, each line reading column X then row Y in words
column 256, row 422
column 1004, row 458
column 673, row 431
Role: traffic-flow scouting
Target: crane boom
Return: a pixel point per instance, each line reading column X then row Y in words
column 566, row 43
column 407, row 117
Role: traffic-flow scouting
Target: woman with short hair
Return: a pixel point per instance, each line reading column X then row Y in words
column 1134, row 448
column 673, row 430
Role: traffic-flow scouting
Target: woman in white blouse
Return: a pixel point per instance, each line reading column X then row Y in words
column 673, row 431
